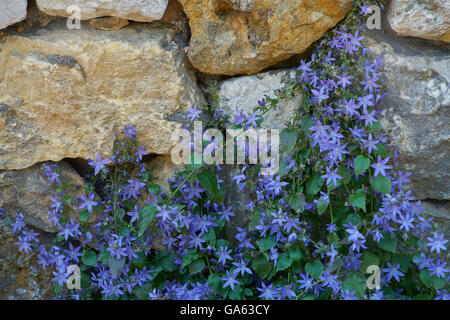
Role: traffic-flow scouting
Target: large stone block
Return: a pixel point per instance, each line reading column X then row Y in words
column 69, row 93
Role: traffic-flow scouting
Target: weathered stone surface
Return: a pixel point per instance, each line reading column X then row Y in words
column 21, row 277
column 429, row 19
column 12, row 12
column 162, row 168
column 138, row 10
column 69, row 93
column 244, row 93
column 416, row 113
column 29, row 192
column 109, row 23
column 245, row 36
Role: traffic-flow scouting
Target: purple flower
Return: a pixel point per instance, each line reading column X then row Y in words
column 130, row 132
column 230, row 280
column 88, row 202
column 380, row 166
column 267, row 292
column 194, row 113
column 98, row 163
column 332, row 176
column 140, row 152
column 393, row 272
column 437, row 243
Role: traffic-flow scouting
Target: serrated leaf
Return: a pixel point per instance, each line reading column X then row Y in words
column 261, row 266
column 89, row 258
column 288, row 140
column 84, row 216
column 314, row 184
column 283, row 262
column 296, row 201
column 115, row 265
column 208, row 180
column 381, row 184
column 146, row 216
column 266, row 243
column 361, row 164
column 358, row 199
column 314, row 269
column 196, row 266
column 321, row 206
column 388, row 243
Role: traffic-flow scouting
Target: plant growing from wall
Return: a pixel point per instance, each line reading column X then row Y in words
column 336, row 207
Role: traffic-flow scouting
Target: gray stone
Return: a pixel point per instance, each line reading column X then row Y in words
column 138, row 10
column 21, row 277
column 429, row 19
column 416, row 113
column 12, row 12
column 244, row 93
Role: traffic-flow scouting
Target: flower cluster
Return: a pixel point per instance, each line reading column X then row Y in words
column 336, row 207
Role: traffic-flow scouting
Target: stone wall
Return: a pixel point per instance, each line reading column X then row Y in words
column 66, row 94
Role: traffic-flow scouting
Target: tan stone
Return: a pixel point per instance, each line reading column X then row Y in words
column 245, row 36
column 109, row 23
column 162, row 168
column 69, row 93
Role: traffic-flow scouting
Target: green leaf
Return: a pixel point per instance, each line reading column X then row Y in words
column 196, row 266
column 155, row 189
column 262, row 266
column 210, row 236
column 295, row 253
column 296, row 201
column 438, row 283
column 321, row 206
column 314, row 185
column 166, row 260
column 283, row 262
column 104, row 256
column 354, row 218
column 266, row 243
column 288, row 140
column 361, row 164
column 208, row 180
column 368, row 259
column 189, row 257
column 84, row 216
column 358, row 199
column 356, row 284
column 388, row 243
column 236, row 294
column 314, row 269
column 89, row 258
column 214, row 282
column 146, row 216
column 382, row 152
column 403, row 260
column 115, row 265
column 381, row 184
column 426, row 278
